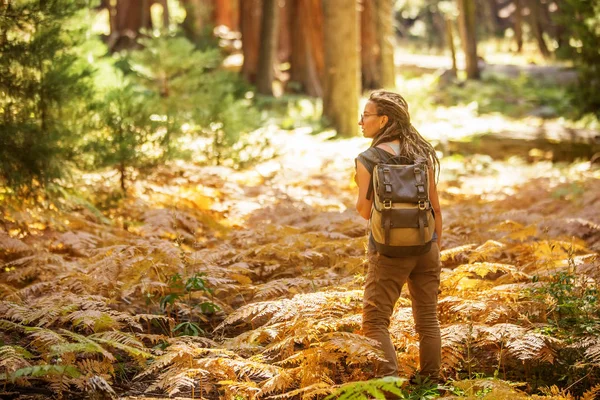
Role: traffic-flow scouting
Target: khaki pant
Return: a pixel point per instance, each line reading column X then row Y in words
column 385, row 279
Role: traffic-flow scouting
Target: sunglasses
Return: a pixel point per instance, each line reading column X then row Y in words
column 363, row 115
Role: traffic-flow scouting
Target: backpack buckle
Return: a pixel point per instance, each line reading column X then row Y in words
column 423, row 205
column 387, row 204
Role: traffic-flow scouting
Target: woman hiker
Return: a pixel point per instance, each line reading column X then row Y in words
column 386, row 120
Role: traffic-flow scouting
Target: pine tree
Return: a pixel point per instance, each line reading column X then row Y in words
column 190, row 90
column 44, row 85
column 581, row 21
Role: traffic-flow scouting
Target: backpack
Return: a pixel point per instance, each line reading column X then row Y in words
column 402, row 223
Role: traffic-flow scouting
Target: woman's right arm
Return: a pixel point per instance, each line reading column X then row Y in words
column 363, row 177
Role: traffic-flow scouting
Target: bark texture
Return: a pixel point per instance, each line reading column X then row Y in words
column 342, row 65
column 250, row 17
column 127, row 17
column 370, row 53
column 386, row 40
column 307, row 52
column 268, row 46
column 466, row 9
column 518, row 24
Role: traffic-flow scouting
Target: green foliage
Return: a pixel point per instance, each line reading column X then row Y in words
column 125, row 137
column 192, row 96
column 44, row 85
column 381, row 388
column 182, row 291
column 38, row 371
column 580, row 20
column 514, row 97
column 573, row 303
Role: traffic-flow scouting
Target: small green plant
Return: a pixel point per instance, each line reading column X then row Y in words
column 364, row 389
column 182, row 291
column 380, row 388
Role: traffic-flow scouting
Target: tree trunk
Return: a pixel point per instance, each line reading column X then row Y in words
column 450, row 40
column 342, row 63
column 130, row 17
column 250, row 17
column 166, row 15
column 284, row 41
column 466, row 20
column 536, row 26
column 308, row 55
column 225, row 12
column 370, row 53
column 268, row 46
column 518, row 21
column 197, row 19
column 386, row 41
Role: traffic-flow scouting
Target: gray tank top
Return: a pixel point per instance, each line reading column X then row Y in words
column 394, row 146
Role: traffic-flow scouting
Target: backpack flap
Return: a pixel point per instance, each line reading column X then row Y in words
column 401, row 219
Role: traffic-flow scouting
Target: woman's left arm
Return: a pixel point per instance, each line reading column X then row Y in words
column 435, row 204
column 363, row 177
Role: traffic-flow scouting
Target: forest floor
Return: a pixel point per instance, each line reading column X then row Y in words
column 205, row 281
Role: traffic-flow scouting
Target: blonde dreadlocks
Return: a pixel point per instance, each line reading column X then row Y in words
column 412, row 145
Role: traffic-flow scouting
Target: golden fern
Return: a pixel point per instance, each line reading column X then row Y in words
column 78, row 243
column 592, row 394
column 13, row 358
column 9, row 246
column 285, row 379
column 449, row 256
column 592, row 352
column 534, row 346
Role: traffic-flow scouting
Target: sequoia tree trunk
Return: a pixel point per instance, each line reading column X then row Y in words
column 385, row 39
column 307, row 58
column 342, row 64
column 370, row 53
column 268, row 46
column 250, row 17
column 130, row 16
column 466, row 9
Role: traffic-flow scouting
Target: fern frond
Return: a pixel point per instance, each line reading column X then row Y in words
column 358, row 348
column 449, row 256
column 94, row 320
column 136, row 353
column 247, row 389
column 8, row 292
column 487, row 270
column 285, row 379
column 83, row 344
column 98, row 386
column 173, row 383
column 363, row 390
column 78, row 243
column 13, row 358
column 307, row 392
column 89, row 366
column 483, row 252
column 533, row 346
column 593, row 352
column 503, row 332
column 44, row 339
column 592, row 394
column 38, row 371
column 277, row 287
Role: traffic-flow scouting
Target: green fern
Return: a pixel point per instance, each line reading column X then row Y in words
column 38, row 371
column 363, row 390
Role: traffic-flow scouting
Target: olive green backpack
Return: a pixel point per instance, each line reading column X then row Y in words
column 402, row 223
